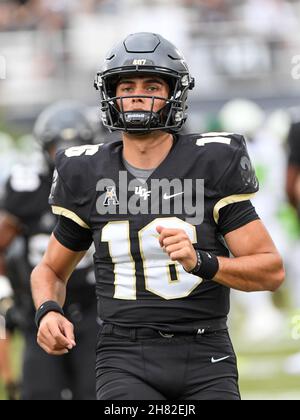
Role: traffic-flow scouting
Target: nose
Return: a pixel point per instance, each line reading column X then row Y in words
column 137, row 91
column 135, row 99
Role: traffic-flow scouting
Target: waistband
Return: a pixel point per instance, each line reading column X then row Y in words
column 147, row 332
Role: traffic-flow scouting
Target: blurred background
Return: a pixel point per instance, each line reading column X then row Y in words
column 245, row 57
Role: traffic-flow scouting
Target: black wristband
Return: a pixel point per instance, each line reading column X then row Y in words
column 45, row 308
column 207, row 265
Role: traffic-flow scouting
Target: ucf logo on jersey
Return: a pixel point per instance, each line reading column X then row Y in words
column 142, row 192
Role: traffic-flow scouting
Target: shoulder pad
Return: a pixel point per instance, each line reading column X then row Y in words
column 74, row 164
column 86, row 150
column 230, row 169
column 216, row 138
column 217, row 150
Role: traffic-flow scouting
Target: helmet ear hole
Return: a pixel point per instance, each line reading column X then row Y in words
column 111, row 85
column 145, row 53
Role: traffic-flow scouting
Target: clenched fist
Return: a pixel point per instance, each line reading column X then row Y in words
column 56, row 334
column 178, row 246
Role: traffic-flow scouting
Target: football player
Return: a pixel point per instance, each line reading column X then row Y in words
column 163, row 210
column 26, row 213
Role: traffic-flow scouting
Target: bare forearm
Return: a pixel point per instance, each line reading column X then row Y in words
column 49, row 279
column 259, row 272
column 46, row 285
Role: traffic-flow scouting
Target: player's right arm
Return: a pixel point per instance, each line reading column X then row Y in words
column 68, row 244
column 49, row 281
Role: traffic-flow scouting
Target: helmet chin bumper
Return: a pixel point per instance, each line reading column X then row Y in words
column 139, row 121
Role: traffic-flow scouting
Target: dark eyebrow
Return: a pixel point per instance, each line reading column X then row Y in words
column 125, row 82
column 146, row 81
column 153, row 81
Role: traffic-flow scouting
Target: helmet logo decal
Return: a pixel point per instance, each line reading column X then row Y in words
column 139, row 62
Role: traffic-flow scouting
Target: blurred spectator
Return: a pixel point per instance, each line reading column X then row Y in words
column 271, row 18
column 18, row 14
column 5, row 14
column 99, row 6
column 53, row 46
column 211, row 10
column 33, row 14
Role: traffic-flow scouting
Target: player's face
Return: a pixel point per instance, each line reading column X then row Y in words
column 144, row 85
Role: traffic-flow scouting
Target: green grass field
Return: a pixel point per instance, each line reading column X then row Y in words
column 262, row 375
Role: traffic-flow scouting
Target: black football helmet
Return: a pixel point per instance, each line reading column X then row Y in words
column 145, row 53
column 62, row 125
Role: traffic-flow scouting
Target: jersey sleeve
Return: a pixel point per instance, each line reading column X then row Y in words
column 237, row 183
column 236, row 215
column 68, row 197
column 72, row 236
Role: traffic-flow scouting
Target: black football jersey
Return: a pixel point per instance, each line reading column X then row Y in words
column 137, row 283
column 26, row 197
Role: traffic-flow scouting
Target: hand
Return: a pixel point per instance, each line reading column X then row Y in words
column 56, row 334
column 178, row 245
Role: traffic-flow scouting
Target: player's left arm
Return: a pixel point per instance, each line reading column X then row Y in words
column 257, row 265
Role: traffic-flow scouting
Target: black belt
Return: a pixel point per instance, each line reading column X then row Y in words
column 146, row 332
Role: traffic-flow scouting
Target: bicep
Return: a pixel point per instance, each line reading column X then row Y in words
column 61, row 260
column 253, row 238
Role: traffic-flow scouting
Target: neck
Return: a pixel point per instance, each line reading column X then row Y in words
column 147, row 151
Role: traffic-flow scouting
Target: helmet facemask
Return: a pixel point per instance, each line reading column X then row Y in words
column 169, row 118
